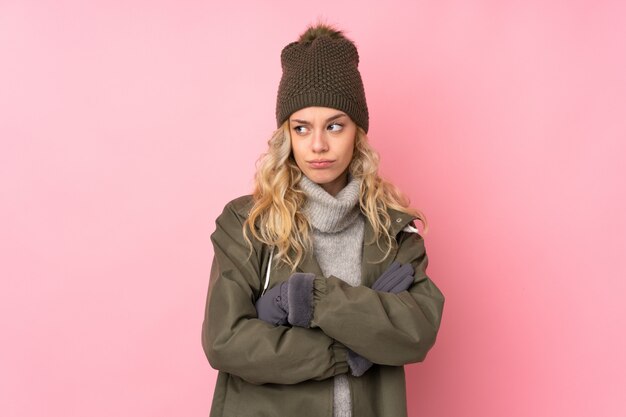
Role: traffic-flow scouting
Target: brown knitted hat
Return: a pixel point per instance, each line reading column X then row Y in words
column 321, row 69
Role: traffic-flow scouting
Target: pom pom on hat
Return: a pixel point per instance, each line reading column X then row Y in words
column 321, row 29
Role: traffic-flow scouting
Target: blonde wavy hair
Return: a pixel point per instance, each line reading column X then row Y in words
column 278, row 201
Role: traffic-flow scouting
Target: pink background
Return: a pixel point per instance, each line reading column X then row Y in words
column 126, row 126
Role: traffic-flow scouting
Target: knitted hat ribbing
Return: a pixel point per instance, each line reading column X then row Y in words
column 321, row 69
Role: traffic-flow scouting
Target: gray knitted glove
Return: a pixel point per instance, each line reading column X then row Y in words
column 272, row 307
column 395, row 279
column 290, row 302
column 357, row 363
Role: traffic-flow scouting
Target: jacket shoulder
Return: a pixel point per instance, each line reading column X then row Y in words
column 237, row 208
column 234, row 214
column 229, row 225
column 240, row 205
column 400, row 221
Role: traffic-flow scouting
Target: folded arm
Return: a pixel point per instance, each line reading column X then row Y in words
column 386, row 328
column 236, row 341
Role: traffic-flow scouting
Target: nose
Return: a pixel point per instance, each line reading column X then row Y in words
column 319, row 141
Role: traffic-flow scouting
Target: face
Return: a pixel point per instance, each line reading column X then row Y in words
column 322, row 141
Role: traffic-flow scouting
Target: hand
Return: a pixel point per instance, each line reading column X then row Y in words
column 397, row 278
column 273, row 306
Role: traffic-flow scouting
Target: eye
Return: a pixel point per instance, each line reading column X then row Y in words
column 300, row 129
column 335, row 127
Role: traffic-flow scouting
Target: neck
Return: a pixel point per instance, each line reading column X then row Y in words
column 334, row 187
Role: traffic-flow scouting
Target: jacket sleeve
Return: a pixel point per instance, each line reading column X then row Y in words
column 386, row 328
column 236, row 341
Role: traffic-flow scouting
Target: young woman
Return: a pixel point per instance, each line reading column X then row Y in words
column 318, row 293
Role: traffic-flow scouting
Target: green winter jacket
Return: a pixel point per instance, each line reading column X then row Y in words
column 282, row 371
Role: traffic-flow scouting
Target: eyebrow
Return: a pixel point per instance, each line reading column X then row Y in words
column 304, row 122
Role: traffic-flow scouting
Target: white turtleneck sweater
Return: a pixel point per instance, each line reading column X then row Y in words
column 337, row 234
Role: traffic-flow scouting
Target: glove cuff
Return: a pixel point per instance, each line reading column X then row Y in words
column 300, row 299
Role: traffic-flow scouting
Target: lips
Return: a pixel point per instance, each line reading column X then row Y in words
column 320, row 163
